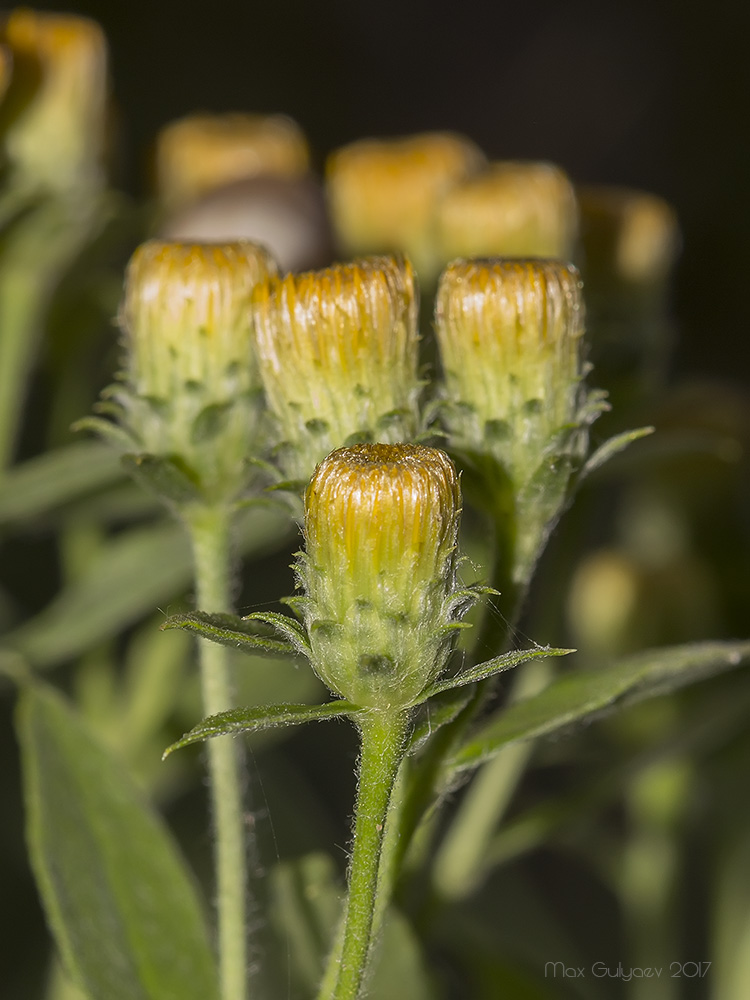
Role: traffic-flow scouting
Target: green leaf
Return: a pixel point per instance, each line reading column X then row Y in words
column 438, row 711
column 250, row 720
column 582, row 695
column 611, row 448
column 287, row 627
column 162, row 477
column 132, row 576
column 45, row 483
column 120, row 901
column 210, row 422
column 129, row 578
column 494, row 666
column 229, row 630
column 400, row 969
column 305, row 908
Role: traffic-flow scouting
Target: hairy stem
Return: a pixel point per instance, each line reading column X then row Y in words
column 382, row 735
column 209, row 531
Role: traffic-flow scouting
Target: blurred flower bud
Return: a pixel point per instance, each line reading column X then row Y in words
column 286, row 214
column 192, row 384
column 630, row 242
column 509, row 210
column 383, row 193
column 202, row 152
column 337, row 351
column 379, row 573
column 510, row 336
column 53, row 115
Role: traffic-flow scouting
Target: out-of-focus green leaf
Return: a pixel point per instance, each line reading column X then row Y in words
column 136, row 573
column 162, row 477
column 132, row 575
column 229, row 630
column 611, row 448
column 120, row 901
column 42, row 484
column 306, row 901
column 250, row 720
column 399, row 965
column 583, row 695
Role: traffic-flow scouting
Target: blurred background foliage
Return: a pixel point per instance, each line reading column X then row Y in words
column 628, row 841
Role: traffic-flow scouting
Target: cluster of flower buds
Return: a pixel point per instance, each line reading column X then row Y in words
column 52, row 118
column 510, row 335
column 190, row 388
column 381, row 605
column 337, row 351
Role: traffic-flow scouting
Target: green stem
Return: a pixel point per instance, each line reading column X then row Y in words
column 382, row 735
column 209, row 532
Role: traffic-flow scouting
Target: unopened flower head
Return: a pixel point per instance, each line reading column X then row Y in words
column 383, row 193
column 510, row 340
column 632, row 235
column 202, row 152
column 510, row 336
column 186, row 317
column 381, row 524
column 509, row 210
column 54, row 110
column 337, row 351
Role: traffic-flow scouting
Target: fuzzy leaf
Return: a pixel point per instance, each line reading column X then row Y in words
column 494, row 666
column 229, row 630
column 210, row 422
column 582, row 696
column 119, row 898
column 162, row 477
column 129, row 578
column 250, row 720
column 438, row 711
column 45, row 483
column 611, row 448
column 285, row 626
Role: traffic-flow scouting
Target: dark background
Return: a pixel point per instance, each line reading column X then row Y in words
column 652, row 95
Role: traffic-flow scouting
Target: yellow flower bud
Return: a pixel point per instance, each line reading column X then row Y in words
column 202, row 152
column 383, row 193
column 337, row 351
column 509, row 210
column 510, row 334
column 631, row 235
column 381, row 525
column 54, row 111
column 510, row 337
column 186, row 317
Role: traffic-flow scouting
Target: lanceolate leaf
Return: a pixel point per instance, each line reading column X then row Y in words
column 494, row 666
column 285, row 626
column 45, row 483
column 583, row 695
column 229, row 630
column 119, row 899
column 611, row 448
column 250, row 720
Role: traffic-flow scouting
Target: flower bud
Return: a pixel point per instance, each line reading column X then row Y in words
column 510, row 337
column 510, row 334
column 199, row 153
column 509, row 210
column 53, row 115
column 380, row 605
column 337, row 351
column 383, row 193
column 189, row 365
column 630, row 235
